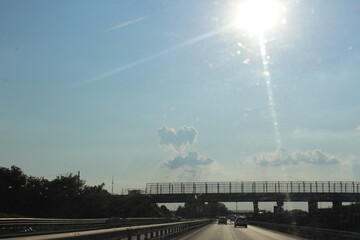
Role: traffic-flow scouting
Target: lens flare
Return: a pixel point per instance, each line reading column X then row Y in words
column 267, row 77
column 258, row 16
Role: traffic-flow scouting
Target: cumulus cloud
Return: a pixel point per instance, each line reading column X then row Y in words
column 177, row 140
column 192, row 159
column 187, row 164
column 357, row 128
column 284, row 157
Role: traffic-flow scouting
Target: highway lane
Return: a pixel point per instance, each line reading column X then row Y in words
column 229, row 232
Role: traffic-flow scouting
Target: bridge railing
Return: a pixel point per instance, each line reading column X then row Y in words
column 253, row 187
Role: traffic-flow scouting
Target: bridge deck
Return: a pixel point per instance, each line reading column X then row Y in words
column 317, row 191
column 252, row 187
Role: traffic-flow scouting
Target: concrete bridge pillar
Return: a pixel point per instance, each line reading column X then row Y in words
column 279, row 206
column 312, row 206
column 256, row 208
column 337, row 204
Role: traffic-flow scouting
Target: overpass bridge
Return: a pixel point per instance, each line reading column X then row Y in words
column 256, row 191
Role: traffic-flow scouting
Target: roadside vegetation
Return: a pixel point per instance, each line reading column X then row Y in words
column 65, row 197
column 69, row 197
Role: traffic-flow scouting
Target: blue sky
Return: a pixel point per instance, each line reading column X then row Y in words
column 86, row 86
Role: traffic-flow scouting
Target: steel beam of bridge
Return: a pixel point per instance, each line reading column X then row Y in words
column 255, row 197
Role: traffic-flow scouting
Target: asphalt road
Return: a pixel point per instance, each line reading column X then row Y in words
column 229, row 232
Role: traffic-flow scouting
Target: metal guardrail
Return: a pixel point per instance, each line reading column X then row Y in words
column 50, row 221
column 251, row 187
column 154, row 231
column 13, row 227
column 309, row 232
column 59, row 221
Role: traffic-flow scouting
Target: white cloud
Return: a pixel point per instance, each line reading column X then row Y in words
column 357, row 128
column 177, row 140
column 300, row 132
column 186, row 165
column 123, row 24
column 284, row 157
column 192, row 159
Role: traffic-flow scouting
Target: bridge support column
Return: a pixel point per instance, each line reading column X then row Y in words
column 279, row 206
column 256, row 208
column 312, row 206
column 337, row 204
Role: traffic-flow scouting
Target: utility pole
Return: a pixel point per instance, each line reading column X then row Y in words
column 112, row 186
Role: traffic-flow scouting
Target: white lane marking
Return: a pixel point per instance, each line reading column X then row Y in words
column 188, row 236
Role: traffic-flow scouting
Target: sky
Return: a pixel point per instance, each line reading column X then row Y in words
column 162, row 91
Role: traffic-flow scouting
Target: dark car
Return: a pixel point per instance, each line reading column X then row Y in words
column 222, row 220
column 240, row 221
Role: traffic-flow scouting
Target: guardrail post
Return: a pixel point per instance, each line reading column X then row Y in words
column 266, row 186
column 279, row 186
column 303, row 186
column 341, row 187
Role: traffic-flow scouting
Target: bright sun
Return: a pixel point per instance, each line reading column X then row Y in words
column 258, row 16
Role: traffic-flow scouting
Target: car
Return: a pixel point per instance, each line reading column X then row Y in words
column 240, row 221
column 222, row 220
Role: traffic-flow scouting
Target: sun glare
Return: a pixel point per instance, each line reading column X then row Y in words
column 258, row 16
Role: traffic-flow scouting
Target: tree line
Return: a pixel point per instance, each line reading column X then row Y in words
column 69, row 197
column 65, row 197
